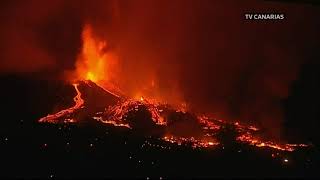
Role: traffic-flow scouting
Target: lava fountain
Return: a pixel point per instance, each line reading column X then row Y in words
column 97, row 63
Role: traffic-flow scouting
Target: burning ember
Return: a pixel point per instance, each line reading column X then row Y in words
column 96, row 64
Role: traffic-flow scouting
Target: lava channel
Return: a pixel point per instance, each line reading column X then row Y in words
column 79, row 103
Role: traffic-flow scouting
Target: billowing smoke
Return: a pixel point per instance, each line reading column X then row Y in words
column 203, row 52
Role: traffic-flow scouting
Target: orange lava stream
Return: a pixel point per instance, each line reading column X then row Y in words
column 259, row 143
column 54, row 118
column 246, row 135
column 112, row 122
column 117, row 114
column 247, row 138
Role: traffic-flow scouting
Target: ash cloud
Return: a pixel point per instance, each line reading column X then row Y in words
column 203, row 51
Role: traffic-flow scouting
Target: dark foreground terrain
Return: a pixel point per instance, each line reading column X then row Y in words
column 92, row 149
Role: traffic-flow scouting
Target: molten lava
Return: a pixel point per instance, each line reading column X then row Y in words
column 118, row 112
column 117, row 116
column 66, row 113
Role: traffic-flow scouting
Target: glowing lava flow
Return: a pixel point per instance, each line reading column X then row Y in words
column 116, row 115
column 54, row 118
column 248, row 138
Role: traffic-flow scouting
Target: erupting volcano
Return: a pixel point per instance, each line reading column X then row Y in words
column 157, row 89
column 95, row 71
